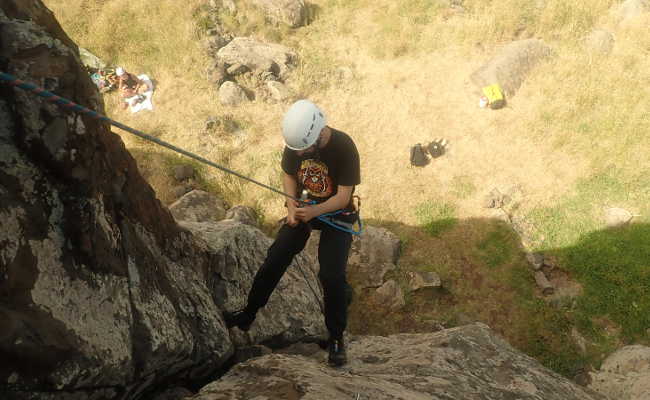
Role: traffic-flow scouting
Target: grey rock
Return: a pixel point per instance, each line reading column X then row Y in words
column 237, row 69
column 494, row 199
column 183, row 172
column 243, row 214
column 106, row 290
column 511, row 66
column 278, row 91
column 370, row 275
column 601, row 41
column 372, row 255
column 245, row 353
column 211, row 123
column 217, row 74
column 180, row 190
column 199, row 206
column 536, row 260
column 231, row 94
column 543, row 283
column 376, row 245
column 631, row 9
column 293, row 313
column 419, row 280
column 177, row 393
column 469, row 362
column 615, row 216
column 90, row 60
column 390, row 296
column 625, row 374
column 289, row 12
column 258, row 56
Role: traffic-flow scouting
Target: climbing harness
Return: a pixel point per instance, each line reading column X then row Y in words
column 67, row 104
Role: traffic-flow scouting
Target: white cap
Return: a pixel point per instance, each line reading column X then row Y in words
column 302, row 125
column 119, row 71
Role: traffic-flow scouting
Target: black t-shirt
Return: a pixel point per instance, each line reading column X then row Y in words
column 321, row 173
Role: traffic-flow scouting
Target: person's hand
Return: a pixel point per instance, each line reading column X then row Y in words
column 292, row 206
column 306, row 213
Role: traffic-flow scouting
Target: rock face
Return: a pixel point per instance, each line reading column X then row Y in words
column 624, row 375
column 293, row 313
column 290, row 12
column 101, row 293
column 467, row 363
column 511, row 66
column 199, row 206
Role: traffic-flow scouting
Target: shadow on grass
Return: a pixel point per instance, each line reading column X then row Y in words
column 487, row 278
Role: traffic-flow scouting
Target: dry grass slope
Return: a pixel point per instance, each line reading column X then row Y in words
column 575, row 139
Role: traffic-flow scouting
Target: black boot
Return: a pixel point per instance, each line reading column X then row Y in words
column 241, row 319
column 337, row 356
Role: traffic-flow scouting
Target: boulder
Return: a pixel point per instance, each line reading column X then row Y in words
column 258, row 56
column 419, row 280
column 243, row 214
column 624, row 375
column 600, row 41
column 103, row 295
column 199, row 206
column 293, row 313
column 289, row 12
column 375, row 246
column 469, row 362
column 389, row 296
column 631, row 9
column 231, row 94
column 510, row 67
column 372, row 255
column 217, row 74
column 90, row 60
column 278, row 90
column 615, row 216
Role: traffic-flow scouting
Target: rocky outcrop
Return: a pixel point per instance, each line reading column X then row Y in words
column 199, row 206
column 624, row 375
column 258, row 57
column 102, row 295
column 289, row 12
column 511, row 66
column 467, row 363
column 293, row 313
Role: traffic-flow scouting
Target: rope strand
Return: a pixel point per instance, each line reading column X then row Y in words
column 30, row 87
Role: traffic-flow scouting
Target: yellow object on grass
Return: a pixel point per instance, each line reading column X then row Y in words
column 494, row 94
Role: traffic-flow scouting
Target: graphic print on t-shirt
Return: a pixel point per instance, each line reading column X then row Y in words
column 313, row 176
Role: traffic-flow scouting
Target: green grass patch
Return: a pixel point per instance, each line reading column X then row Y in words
column 435, row 218
column 543, row 332
column 497, row 248
column 614, row 268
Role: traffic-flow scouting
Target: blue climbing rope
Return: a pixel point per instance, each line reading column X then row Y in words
column 69, row 105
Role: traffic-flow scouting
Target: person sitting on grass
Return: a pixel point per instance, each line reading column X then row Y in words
column 128, row 85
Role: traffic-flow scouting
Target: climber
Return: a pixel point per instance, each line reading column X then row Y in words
column 323, row 163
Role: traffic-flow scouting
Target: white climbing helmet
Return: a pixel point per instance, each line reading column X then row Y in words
column 302, row 125
column 119, row 71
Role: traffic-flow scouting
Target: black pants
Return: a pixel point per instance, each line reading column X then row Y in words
column 333, row 250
